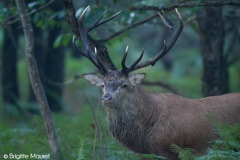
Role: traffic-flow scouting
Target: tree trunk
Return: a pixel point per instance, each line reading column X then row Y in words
column 35, row 80
column 215, row 71
column 40, row 54
column 10, row 90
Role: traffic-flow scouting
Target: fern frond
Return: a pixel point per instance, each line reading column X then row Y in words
column 81, row 151
column 183, row 153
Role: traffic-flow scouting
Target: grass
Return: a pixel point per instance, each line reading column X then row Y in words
column 77, row 137
column 81, row 137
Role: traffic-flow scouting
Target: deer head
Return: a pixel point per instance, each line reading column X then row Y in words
column 117, row 83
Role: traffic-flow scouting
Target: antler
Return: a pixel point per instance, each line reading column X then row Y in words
column 159, row 55
column 91, row 54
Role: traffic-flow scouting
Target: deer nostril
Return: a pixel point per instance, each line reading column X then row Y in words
column 107, row 97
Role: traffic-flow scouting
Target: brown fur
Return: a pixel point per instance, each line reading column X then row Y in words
column 150, row 123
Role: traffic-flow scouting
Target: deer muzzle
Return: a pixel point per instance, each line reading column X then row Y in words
column 107, row 98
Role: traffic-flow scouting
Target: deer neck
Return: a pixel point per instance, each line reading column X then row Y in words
column 134, row 104
column 126, row 121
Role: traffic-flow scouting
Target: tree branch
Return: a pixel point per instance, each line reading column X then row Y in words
column 70, row 14
column 13, row 19
column 35, row 80
column 147, row 83
column 131, row 26
column 168, row 8
column 161, row 84
column 73, row 22
column 188, row 4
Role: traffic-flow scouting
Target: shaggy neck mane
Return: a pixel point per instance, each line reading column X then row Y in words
column 130, row 124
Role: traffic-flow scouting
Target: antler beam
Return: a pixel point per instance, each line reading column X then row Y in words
column 84, row 31
column 163, row 52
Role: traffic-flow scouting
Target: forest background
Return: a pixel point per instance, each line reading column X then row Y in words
column 203, row 62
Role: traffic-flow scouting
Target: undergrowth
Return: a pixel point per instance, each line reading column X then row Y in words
column 83, row 138
column 227, row 147
column 77, row 136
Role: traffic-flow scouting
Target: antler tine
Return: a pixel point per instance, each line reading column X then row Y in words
column 176, row 31
column 124, row 67
column 166, row 47
column 99, row 62
column 80, row 20
column 165, row 19
column 136, row 62
column 108, row 19
column 85, row 41
column 153, row 60
column 99, row 22
column 84, row 54
column 76, row 48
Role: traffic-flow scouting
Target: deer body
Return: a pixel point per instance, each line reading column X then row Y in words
column 149, row 123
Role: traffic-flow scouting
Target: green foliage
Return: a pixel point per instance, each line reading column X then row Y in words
column 78, row 139
column 234, row 77
column 227, row 147
column 62, row 40
column 21, row 138
column 184, row 153
column 81, row 151
column 152, row 157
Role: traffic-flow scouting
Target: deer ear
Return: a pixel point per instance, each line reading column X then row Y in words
column 93, row 79
column 137, row 78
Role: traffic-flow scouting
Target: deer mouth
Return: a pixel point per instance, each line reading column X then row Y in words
column 108, row 103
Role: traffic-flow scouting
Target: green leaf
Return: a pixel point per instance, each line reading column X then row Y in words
column 58, row 41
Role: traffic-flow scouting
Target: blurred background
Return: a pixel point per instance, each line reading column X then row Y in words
column 203, row 62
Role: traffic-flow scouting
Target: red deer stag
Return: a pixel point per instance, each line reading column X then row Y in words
column 149, row 123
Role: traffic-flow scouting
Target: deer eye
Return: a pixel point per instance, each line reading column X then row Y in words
column 102, row 85
column 124, row 86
